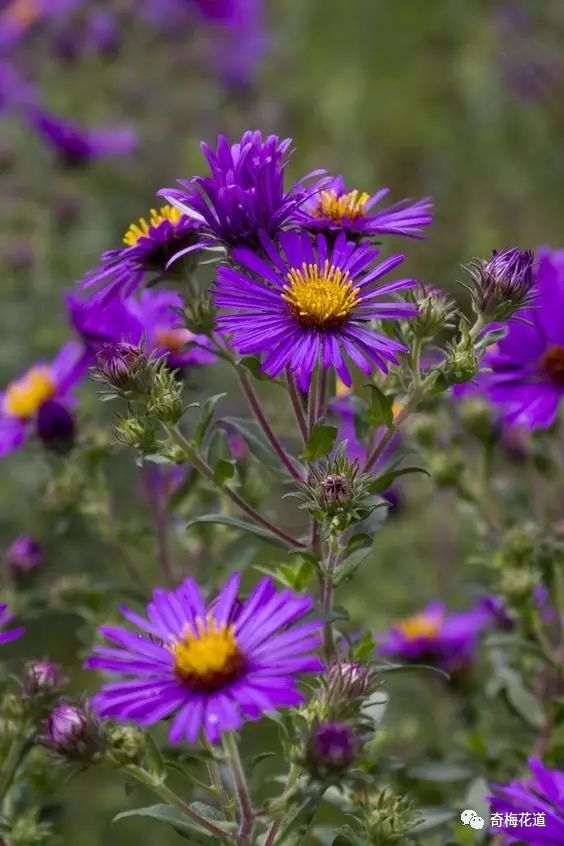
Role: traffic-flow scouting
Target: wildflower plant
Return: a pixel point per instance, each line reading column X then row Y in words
column 377, row 378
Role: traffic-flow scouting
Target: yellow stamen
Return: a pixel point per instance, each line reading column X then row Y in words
column 208, row 658
column 337, row 206
column 421, row 625
column 320, row 296
column 172, row 339
column 24, row 397
column 141, row 229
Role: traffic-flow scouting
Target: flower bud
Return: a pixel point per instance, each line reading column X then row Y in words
column 461, row 363
column 199, row 315
column 435, row 311
column 72, row 731
column 23, row 558
column 124, row 367
column 42, row 678
column 503, row 285
column 331, row 749
column 350, row 680
column 125, row 745
column 138, row 433
column 56, row 427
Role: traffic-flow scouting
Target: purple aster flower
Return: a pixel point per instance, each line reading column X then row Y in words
column 311, row 303
column 23, row 557
column 530, row 811
column 245, row 193
column 149, row 246
column 212, row 671
column 527, row 366
column 446, row 640
column 23, row 399
column 76, row 144
column 152, row 319
column 5, row 618
column 334, row 209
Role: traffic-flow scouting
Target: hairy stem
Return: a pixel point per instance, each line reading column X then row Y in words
column 241, row 788
column 198, row 462
column 272, row 438
column 327, row 595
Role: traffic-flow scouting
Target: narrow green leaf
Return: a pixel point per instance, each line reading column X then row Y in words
column 320, row 442
column 256, row 441
column 433, row 818
column 381, row 407
column 383, row 482
column 223, row 471
column 206, row 418
column 299, row 820
column 242, row 525
column 175, row 818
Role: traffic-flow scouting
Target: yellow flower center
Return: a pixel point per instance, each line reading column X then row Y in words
column 420, row 625
column 320, row 296
column 172, row 339
column 337, row 206
column 141, row 229
column 24, row 397
column 209, row 658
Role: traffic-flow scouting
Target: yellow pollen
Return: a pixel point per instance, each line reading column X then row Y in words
column 208, row 658
column 337, row 206
column 24, row 397
column 172, row 339
column 320, row 296
column 141, row 229
column 420, row 625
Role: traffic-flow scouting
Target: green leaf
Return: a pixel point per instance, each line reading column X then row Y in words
column 176, row 819
column 297, row 575
column 381, row 407
column 349, row 565
column 439, row 771
column 242, row 525
column 520, row 699
column 433, row 818
column 218, row 447
column 256, row 441
column 409, row 668
column 210, row 812
column 299, row 819
column 258, row 759
column 223, row 471
column 320, row 442
column 363, row 649
column 383, row 482
column 206, row 418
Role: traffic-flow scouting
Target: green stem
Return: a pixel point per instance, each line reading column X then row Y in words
column 198, row 462
column 312, row 406
column 287, row 793
column 18, row 750
column 327, row 595
column 241, row 788
column 477, row 327
column 169, row 796
column 254, row 402
column 297, row 404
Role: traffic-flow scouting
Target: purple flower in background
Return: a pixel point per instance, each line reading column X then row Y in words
column 151, row 318
column 15, row 92
column 23, row 400
column 309, row 303
column 538, row 800
column 149, row 246
column 210, row 670
column 527, row 366
column 245, row 193
column 334, row 209
column 76, row 144
column 18, row 17
column 434, row 636
column 24, row 556
column 42, row 678
column 5, row 618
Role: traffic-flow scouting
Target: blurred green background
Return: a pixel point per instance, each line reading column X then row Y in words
column 454, row 99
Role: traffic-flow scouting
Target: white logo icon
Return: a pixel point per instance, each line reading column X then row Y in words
column 471, row 818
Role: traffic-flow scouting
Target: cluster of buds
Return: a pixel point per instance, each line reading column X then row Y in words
column 337, row 494
column 435, row 311
column 503, row 285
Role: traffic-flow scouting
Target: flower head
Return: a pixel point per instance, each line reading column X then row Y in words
column 524, row 372
column 540, row 796
column 76, row 144
column 24, row 400
column 210, row 669
column 245, row 193
column 445, row 640
column 149, row 246
column 332, row 748
column 5, row 618
column 24, row 556
column 42, row 678
column 310, row 303
column 334, row 209
column 503, row 285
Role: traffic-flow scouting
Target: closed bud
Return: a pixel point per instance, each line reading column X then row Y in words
column 125, row 745
column 124, row 367
column 388, row 819
column 350, row 680
column 199, row 315
column 56, row 427
column 24, row 557
column 461, row 362
column 165, row 399
column 42, row 678
column 435, row 311
column 72, row 732
column 503, row 285
column 331, row 750
column 136, row 432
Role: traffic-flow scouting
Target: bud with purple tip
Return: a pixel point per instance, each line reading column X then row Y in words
column 72, row 731
column 503, row 285
column 124, row 367
column 42, row 678
column 23, row 558
column 332, row 749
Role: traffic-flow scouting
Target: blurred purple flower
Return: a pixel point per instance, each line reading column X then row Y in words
column 18, row 17
column 16, row 94
column 23, row 399
column 542, row 795
column 76, row 144
column 5, row 618
column 527, row 366
column 42, row 677
column 24, row 556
